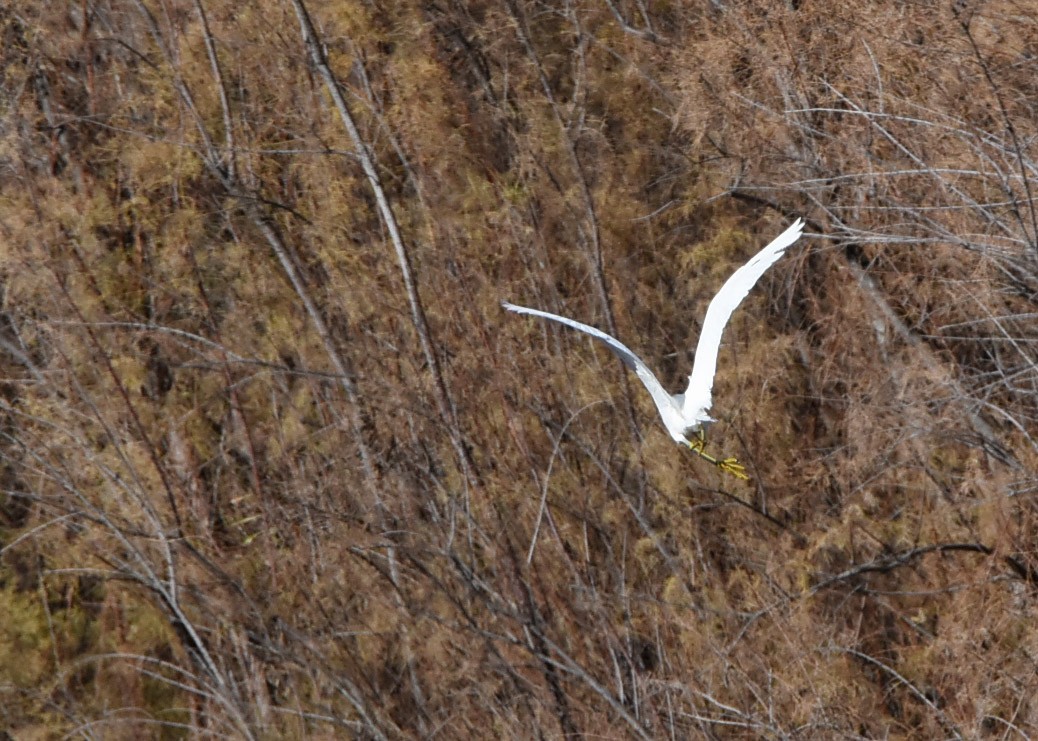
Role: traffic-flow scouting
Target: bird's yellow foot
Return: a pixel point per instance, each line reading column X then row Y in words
column 732, row 466
column 728, row 465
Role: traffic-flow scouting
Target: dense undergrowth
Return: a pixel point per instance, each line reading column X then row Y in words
column 275, row 463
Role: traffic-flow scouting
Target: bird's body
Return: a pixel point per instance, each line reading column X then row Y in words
column 687, row 412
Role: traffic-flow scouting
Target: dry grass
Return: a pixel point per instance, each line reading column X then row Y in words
column 275, row 464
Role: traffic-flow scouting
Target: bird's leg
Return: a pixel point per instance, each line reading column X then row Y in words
column 728, row 465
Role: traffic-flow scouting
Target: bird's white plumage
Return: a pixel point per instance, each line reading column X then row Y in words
column 688, row 411
column 697, row 397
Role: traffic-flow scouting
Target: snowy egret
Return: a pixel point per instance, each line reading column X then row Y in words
column 687, row 412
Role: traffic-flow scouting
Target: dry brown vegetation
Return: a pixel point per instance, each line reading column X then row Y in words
column 275, row 463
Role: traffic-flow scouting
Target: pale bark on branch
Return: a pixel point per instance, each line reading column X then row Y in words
column 444, row 402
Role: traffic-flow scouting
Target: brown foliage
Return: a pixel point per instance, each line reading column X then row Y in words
column 276, row 465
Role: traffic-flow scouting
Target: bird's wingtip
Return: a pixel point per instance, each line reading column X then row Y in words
column 793, row 232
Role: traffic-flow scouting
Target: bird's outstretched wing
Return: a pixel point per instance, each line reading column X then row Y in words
column 632, row 361
column 701, row 381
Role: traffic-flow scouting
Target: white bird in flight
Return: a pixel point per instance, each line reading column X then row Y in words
column 687, row 412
